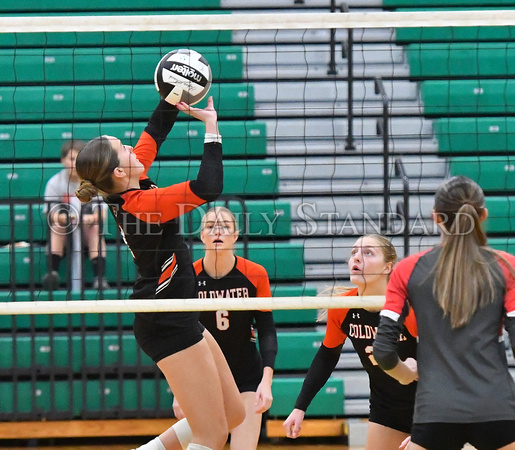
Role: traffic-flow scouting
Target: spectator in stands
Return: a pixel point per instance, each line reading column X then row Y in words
column 185, row 352
column 391, row 404
column 65, row 215
column 222, row 274
column 462, row 292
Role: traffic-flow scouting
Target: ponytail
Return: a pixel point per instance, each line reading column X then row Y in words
column 87, row 191
column 465, row 277
column 464, row 280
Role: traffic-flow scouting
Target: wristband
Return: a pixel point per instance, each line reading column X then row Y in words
column 212, row 137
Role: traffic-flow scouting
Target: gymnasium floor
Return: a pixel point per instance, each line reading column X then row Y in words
column 285, row 444
column 261, row 447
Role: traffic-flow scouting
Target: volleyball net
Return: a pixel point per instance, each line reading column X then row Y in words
column 337, row 121
column 335, row 124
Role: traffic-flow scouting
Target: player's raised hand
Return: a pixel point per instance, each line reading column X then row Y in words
column 208, row 115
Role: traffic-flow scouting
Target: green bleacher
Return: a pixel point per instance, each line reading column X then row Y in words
column 20, row 142
column 501, row 215
column 64, row 321
column 100, row 5
column 475, row 134
column 167, row 39
column 113, row 398
column 506, row 244
column 480, row 59
column 27, row 264
column 297, row 348
column 22, row 222
column 241, row 177
column 109, row 102
column 459, row 97
column 328, row 401
column 444, row 3
column 74, row 352
column 454, row 34
column 464, row 75
column 107, row 64
column 492, row 173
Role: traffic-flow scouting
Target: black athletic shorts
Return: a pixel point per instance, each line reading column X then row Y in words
column 162, row 334
column 397, row 420
column 453, row 436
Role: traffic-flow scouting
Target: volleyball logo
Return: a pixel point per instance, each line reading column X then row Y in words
column 183, row 75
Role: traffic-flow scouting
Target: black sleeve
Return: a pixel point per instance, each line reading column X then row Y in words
column 319, row 372
column 267, row 336
column 385, row 343
column 161, row 122
column 210, row 179
column 509, row 325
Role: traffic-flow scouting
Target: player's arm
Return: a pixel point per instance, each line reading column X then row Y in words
column 390, row 327
column 158, row 127
column 209, row 183
column 508, row 268
column 319, row 372
column 267, row 336
column 509, row 324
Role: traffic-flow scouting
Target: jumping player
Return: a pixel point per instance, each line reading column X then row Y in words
column 188, row 356
column 221, row 274
column 461, row 291
column 391, row 404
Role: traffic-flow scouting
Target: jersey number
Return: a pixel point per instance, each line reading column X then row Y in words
column 222, row 319
column 368, row 350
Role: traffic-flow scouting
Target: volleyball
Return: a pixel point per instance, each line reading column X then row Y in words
column 183, row 75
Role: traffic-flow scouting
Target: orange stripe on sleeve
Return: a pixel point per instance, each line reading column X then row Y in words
column 146, row 151
column 162, row 204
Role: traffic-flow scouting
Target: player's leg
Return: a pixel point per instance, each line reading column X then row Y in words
column 177, row 437
column 97, row 253
column 412, row 446
column 193, row 377
column 246, row 435
column 56, row 244
column 234, row 408
column 385, row 438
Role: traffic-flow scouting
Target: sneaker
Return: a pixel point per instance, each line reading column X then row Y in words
column 51, row 281
column 100, row 282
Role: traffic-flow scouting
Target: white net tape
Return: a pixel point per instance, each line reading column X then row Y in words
column 258, row 21
column 188, row 304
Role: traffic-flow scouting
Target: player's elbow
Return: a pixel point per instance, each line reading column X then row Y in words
column 385, row 357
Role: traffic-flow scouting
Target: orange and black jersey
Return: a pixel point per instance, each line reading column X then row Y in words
column 234, row 330
column 360, row 326
column 147, row 217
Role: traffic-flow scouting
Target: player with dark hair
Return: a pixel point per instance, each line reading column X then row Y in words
column 391, row 404
column 222, row 274
column 186, row 353
column 462, row 292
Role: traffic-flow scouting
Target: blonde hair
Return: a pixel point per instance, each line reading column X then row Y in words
column 464, row 276
column 389, row 254
column 95, row 164
column 218, row 211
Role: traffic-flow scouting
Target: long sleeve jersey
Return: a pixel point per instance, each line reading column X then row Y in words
column 147, row 217
column 463, row 372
